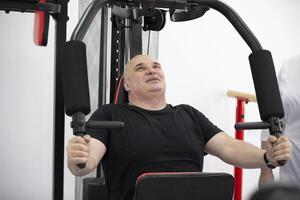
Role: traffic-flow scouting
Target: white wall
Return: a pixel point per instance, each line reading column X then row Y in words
column 26, row 85
column 27, row 106
column 196, row 75
column 206, row 57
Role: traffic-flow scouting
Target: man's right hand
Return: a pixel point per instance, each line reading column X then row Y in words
column 78, row 150
column 84, row 150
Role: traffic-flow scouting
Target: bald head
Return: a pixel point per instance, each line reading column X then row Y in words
column 144, row 78
column 135, row 61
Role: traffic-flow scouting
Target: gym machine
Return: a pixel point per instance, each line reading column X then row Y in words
column 150, row 15
column 129, row 19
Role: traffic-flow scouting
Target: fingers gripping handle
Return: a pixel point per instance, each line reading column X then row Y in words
column 274, row 124
column 78, row 125
column 280, row 162
column 276, row 130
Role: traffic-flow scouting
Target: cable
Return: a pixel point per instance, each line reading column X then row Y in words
column 148, row 42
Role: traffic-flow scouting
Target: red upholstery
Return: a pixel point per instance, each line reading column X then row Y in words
column 121, row 95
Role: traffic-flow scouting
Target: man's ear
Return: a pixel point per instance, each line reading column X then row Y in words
column 126, row 85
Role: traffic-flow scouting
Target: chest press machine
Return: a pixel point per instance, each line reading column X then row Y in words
column 128, row 19
column 150, row 15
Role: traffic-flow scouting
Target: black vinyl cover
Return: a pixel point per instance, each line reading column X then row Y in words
column 75, row 79
column 266, row 86
column 184, row 186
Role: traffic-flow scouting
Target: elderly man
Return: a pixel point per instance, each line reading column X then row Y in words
column 158, row 136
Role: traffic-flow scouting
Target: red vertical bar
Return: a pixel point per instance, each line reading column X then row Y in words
column 239, row 134
column 41, row 26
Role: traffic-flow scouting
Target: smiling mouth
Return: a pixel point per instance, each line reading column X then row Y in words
column 153, row 80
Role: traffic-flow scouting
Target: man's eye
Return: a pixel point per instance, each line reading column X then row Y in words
column 140, row 68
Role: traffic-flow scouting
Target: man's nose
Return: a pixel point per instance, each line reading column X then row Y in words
column 151, row 70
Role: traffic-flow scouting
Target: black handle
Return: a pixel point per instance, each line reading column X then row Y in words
column 275, row 127
column 104, row 124
column 81, row 165
column 79, row 128
column 251, row 125
column 281, row 162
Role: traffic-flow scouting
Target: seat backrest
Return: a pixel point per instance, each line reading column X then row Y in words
column 95, row 188
column 121, row 95
column 184, row 186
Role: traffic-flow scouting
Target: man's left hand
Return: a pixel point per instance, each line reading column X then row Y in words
column 278, row 149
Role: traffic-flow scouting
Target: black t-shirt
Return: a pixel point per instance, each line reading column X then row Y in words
column 171, row 139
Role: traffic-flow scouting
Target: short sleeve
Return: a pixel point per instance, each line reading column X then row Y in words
column 207, row 127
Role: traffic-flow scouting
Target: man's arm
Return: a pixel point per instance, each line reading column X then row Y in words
column 266, row 174
column 84, row 150
column 246, row 155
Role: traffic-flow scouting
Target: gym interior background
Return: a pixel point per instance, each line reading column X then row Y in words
column 202, row 59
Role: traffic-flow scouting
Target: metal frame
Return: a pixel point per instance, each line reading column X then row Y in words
column 117, row 56
column 59, row 115
column 239, row 134
column 59, row 11
column 103, row 57
column 26, row 6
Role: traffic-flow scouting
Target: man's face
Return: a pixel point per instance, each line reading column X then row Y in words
column 144, row 75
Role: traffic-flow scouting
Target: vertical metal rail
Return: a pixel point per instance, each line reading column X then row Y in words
column 117, row 54
column 59, row 115
column 102, row 72
column 241, row 99
column 103, row 57
column 239, row 134
column 115, row 58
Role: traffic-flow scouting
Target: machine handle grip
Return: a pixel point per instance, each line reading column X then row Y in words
column 280, row 162
column 81, row 165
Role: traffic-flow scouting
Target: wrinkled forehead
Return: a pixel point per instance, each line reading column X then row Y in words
column 140, row 59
